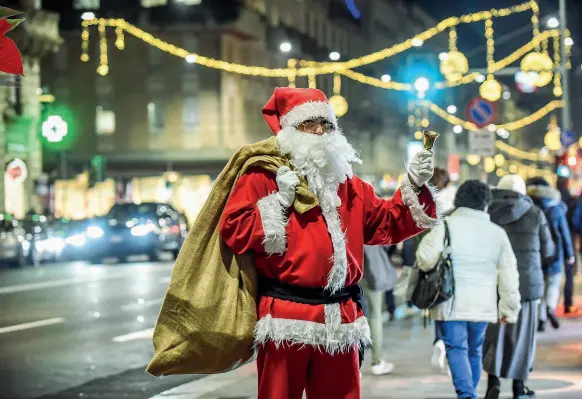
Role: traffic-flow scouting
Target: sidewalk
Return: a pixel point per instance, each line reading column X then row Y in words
column 558, row 372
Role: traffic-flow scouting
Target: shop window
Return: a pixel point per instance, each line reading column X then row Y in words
column 153, row 3
column 104, row 121
column 156, row 120
column 86, row 4
column 190, row 114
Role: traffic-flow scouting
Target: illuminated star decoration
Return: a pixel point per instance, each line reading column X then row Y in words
column 10, row 58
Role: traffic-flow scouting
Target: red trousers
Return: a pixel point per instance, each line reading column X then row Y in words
column 287, row 371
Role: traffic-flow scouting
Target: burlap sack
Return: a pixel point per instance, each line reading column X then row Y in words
column 208, row 316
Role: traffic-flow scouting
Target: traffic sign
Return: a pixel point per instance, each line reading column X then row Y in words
column 567, row 138
column 482, row 142
column 481, row 112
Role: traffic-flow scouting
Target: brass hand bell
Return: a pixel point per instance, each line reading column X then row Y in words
column 428, row 139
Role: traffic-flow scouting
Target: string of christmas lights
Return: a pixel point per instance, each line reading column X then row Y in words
column 518, row 124
column 322, row 68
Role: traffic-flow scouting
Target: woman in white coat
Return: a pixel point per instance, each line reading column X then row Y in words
column 486, row 282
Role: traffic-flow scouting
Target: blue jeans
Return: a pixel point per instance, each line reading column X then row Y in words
column 464, row 345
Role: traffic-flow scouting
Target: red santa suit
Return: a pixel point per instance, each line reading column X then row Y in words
column 323, row 247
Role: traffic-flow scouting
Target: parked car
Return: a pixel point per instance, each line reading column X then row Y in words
column 74, row 234
column 27, row 242
column 134, row 229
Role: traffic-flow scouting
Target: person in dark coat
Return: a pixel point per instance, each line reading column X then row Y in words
column 550, row 202
column 509, row 349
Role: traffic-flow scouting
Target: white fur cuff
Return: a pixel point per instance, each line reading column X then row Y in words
column 337, row 340
column 410, row 199
column 274, row 223
column 308, row 110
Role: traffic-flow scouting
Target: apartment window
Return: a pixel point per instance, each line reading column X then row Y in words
column 156, row 120
column 190, row 115
column 104, row 120
column 61, row 58
column 155, row 56
column 153, row 3
column 86, row 4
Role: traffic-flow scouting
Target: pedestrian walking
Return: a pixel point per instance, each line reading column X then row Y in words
column 446, row 199
column 509, row 349
column 484, row 267
column 549, row 200
column 379, row 278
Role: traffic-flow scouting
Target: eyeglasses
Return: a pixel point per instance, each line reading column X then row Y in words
column 312, row 126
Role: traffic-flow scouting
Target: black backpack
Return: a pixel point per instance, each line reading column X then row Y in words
column 438, row 284
column 555, row 238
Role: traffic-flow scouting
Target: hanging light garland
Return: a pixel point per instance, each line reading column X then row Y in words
column 85, row 42
column 320, row 68
column 490, row 89
column 515, row 125
column 337, row 101
column 291, row 63
column 103, row 68
column 558, row 91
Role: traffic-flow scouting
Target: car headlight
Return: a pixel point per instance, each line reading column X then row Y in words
column 57, row 244
column 142, row 230
column 95, row 232
column 78, row 240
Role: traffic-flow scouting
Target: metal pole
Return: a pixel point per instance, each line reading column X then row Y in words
column 64, row 171
column 566, row 117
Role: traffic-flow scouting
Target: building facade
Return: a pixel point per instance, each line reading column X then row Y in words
column 20, row 146
column 154, row 114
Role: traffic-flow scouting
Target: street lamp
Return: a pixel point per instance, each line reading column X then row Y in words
column 568, row 41
column 457, row 129
column 480, row 78
column 386, row 78
column 334, row 56
column 417, row 42
column 451, row 109
column 552, row 23
column 285, row 47
column 421, row 84
column 88, row 16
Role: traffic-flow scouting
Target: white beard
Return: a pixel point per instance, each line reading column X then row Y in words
column 326, row 162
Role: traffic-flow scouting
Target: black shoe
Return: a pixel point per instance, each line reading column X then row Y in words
column 542, row 326
column 553, row 319
column 520, row 391
column 526, row 393
column 493, row 392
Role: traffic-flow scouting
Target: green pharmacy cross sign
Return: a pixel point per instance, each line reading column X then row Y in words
column 55, row 128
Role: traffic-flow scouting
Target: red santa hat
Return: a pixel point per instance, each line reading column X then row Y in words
column 291, row 106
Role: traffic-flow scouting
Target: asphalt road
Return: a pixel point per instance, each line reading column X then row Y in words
column 79, row 330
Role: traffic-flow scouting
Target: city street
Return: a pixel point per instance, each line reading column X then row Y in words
column 76, row 330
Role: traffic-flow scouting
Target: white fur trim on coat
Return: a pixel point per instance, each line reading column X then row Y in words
column 308, row 110
column 274, row 223
column 410, row 199
column 338, row 339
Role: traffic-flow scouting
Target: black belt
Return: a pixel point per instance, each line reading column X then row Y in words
column 308, row 295
column 312, row 296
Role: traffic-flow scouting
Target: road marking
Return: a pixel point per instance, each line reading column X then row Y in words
column 143, row 334
column 142, row 305
column 11, row 289
column 34, row 324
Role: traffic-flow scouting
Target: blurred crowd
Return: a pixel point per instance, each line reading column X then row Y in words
column 513, row 252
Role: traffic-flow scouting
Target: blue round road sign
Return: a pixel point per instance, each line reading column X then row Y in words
column 481, row 112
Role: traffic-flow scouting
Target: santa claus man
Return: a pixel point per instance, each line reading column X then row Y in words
column 310, row 327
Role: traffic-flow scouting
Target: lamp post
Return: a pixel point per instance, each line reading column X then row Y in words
column 566, row 116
